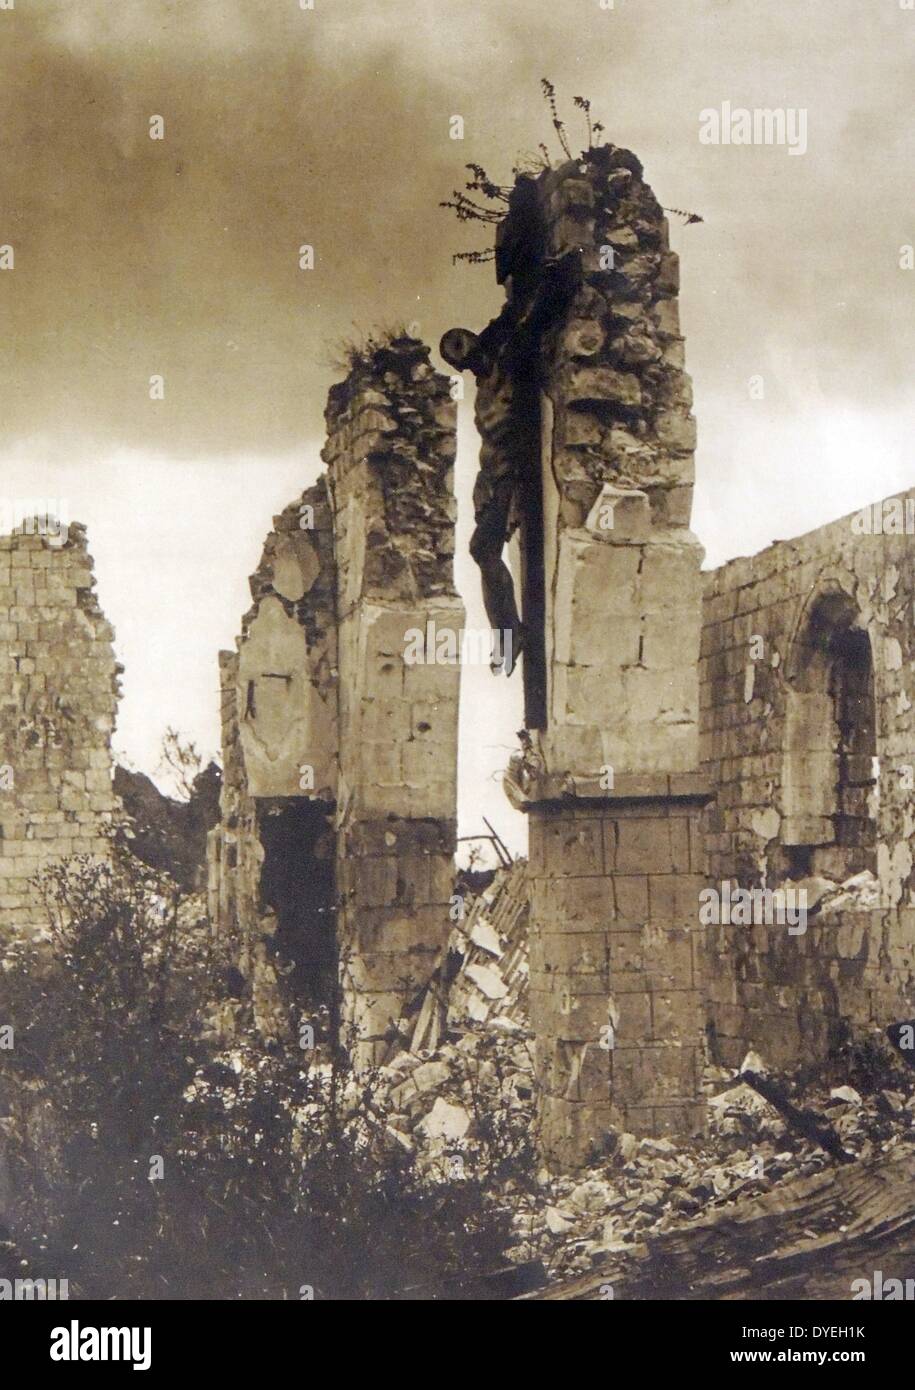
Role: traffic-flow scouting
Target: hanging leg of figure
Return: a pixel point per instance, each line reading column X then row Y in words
column 486, row 546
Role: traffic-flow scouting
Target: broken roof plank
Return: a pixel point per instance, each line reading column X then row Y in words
column 809, row 1238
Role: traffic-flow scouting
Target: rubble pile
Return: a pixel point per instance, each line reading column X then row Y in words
column 461, row 1095
column 653, row 1185
column 481, row 975
column 462, row 1100
column 455, row 1108
column 469, row 1108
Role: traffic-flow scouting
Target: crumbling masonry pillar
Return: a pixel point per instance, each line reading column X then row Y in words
column 609, row 778
column 390, row 456
column 333, row 863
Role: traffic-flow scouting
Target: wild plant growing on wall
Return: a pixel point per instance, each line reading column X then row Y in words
column 492, row 211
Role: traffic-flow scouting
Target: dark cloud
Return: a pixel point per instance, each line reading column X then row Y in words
column 180, row 256
column 330, row 126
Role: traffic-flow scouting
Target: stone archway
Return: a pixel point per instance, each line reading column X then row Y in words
column 829, row 779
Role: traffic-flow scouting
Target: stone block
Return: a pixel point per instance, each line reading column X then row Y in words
column 620, row 515
column 654, row 1074
column 676, row 1016
column 643, row 846
column 582, row 953
column 603, row 384
column 578, row 1017
column 393, row 929
column 370, row 882
column 666, row 316
column 573, row 1131
column 582, row 338
column 633, row 1017
column 680, row 1121
column 587, row 902
column 400, row 971
column 573, row 848
column 631, row 895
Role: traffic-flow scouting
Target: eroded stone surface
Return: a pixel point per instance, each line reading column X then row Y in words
column 777, row 762
column 390, row 455
column 616, row 996
column 340, row 751
column 58, row 701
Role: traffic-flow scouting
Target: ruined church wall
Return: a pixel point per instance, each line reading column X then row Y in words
column 338, row 811
column 390, row 455
column 788, row 994
column 611, row 779
column 58, row 703
column 622, row 567
column 278, row 707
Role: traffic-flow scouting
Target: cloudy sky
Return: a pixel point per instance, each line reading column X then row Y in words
column 330, row 126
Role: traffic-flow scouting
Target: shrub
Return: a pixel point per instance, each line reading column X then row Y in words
column 147, row 1166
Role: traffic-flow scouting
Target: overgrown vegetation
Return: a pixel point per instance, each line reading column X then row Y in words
column 146, row 1164
column 358, row 351
column 471, row 209
column 181, row 761
column 169, row 832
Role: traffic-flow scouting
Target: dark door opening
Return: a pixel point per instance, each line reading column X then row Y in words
column 298, row 884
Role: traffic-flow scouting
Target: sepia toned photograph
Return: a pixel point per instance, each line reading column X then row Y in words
column 457, row 669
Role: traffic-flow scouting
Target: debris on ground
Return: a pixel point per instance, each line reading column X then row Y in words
column 764, row 1131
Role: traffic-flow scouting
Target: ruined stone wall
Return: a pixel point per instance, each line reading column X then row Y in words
column 390, row 455
column 335, row 850
column 616, row 987
column 622, row 568
column 58, row 700
column 279, row 741
column 610, row 777
column 769, row 737
column 233, row 852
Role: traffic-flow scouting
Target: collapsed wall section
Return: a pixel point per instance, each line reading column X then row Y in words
column 58, row 702
column 808, row 734
column 390, row 455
